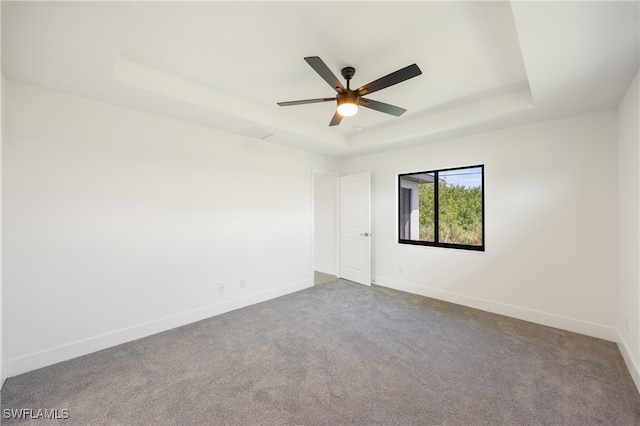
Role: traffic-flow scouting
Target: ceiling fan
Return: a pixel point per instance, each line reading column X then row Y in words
column 348, row 100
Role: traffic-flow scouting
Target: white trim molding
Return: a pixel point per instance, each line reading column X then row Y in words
column 632, row 365
column 61, row 353
column 543, row 318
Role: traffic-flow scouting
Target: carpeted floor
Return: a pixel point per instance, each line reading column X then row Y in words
column 338, row 354
column 322, row 278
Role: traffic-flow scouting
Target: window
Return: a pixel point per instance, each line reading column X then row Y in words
column 443, row 208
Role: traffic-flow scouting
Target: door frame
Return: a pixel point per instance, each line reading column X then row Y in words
column 336, row 177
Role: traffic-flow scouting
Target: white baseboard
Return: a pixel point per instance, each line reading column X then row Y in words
column 538, row 317
column 65, row 352
column 632, row 365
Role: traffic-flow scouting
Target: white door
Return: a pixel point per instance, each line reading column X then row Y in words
column 355, row 228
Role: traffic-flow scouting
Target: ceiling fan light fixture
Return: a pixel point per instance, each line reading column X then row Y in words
column 348, row 108
column 347, row 104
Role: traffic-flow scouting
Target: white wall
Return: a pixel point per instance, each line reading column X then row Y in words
column 551, row 224
column 2, row 83
column 629, row 228
column 326, row 223
column 2, row 369
column 119, row 224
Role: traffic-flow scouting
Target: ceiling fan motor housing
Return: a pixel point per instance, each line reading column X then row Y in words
column 349, row 96
column 348, row 73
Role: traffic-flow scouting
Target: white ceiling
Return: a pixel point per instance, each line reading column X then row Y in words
column 485, row 65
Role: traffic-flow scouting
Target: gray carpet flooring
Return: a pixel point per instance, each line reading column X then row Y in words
column 341, row 354
column 322, row 278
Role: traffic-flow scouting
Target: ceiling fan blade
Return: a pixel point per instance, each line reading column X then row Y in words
column 389, row 80
column 382, row 107
column 337, row 118
column 306, row 101
column 321, row 68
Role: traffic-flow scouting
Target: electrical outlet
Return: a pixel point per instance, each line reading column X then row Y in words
column 243, row 283
column 220, row 288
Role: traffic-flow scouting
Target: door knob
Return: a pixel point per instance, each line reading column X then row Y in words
column 366, row 234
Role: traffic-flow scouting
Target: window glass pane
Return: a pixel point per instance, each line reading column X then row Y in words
column 417, row 207
column 427, row 210
column 405, row 213
column 442, row 208
column 460, row 206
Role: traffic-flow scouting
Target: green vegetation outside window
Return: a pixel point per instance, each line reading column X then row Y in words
column 443, row 208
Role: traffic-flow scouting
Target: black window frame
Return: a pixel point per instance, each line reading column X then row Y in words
column 436, row 209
